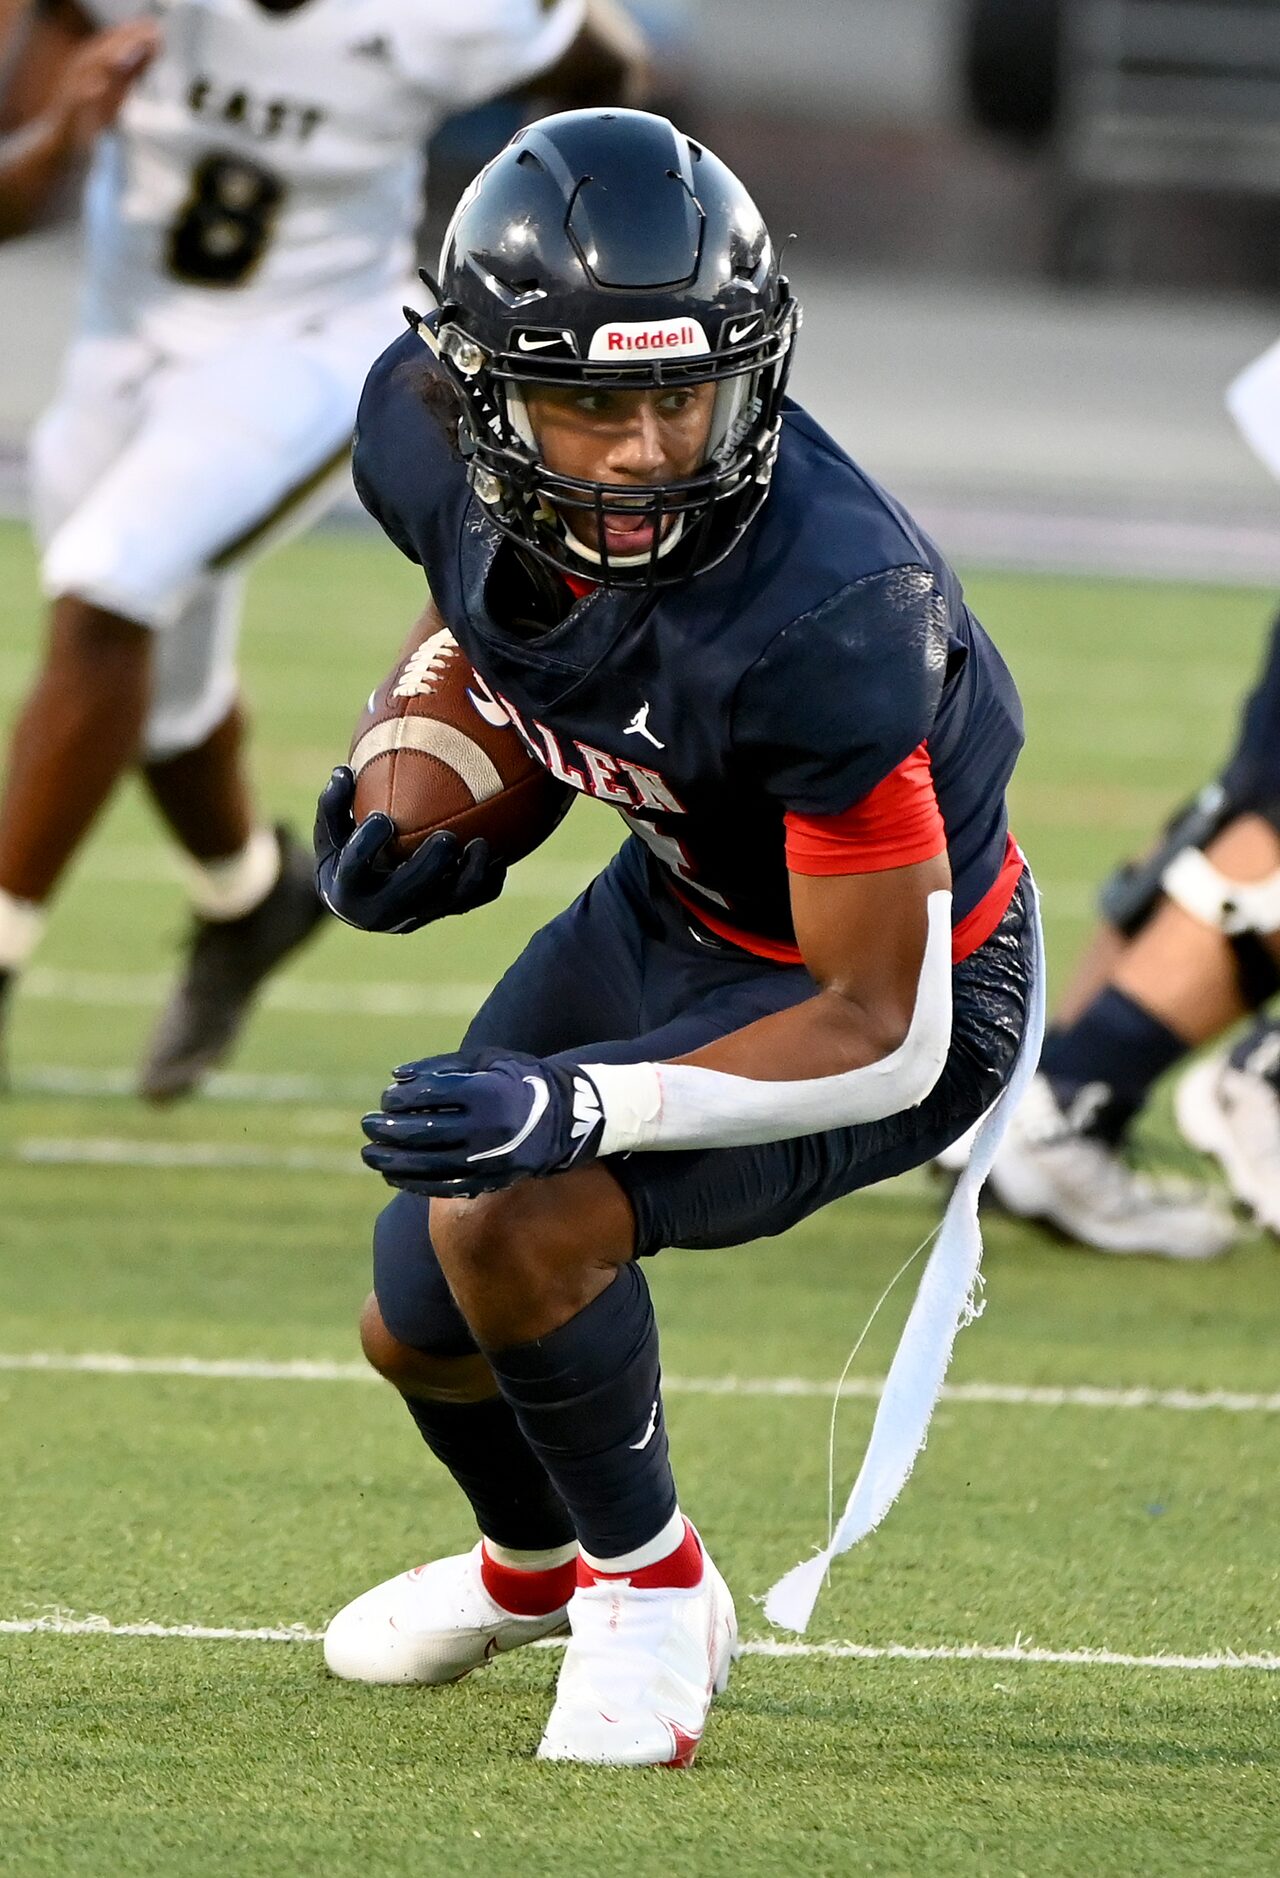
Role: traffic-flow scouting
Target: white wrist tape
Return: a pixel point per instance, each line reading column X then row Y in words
column 676, row 1105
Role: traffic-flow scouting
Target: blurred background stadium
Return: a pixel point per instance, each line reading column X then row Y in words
column 1035, row 238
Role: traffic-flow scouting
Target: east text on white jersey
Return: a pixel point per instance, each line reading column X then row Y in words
column 269, row 166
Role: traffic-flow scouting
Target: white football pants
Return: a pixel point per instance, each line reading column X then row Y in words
column 156, row 481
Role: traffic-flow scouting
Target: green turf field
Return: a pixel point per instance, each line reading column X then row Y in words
column 235, row 1230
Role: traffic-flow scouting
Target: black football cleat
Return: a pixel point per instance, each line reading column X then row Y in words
column 226, row 964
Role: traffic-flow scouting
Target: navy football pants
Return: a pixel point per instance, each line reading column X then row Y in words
column 622, row 977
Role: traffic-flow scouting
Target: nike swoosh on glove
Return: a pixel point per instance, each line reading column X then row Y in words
column 355, row 882
column 481, row 1120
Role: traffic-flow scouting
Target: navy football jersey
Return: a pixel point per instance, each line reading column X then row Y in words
column 792, row 679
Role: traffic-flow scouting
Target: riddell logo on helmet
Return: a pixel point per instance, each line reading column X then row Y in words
column 671, row 339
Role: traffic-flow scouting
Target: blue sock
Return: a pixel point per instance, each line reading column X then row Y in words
column 479, row 1442
column 587, row 1399
column 1119, row 1049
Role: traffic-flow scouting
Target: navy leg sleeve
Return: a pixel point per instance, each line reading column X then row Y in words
column 480, row 1443
column 588, row 1400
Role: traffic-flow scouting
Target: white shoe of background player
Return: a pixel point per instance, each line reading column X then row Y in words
column 1232, row 1111
column 640, row 1671
column 954, row 1159
column 433, row 1624
column 1050, row 1169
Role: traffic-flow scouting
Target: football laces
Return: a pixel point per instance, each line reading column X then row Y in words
column 425, row 666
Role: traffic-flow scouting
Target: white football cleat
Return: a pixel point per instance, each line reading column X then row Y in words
column 433, row 1624
column 1233, row 1113
column 640, row 1671
column 1049, row 1169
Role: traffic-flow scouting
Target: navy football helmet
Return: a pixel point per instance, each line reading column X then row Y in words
column 605, row 248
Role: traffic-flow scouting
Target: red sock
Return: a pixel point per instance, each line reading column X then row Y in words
column 527, row 1594
column 678, row 1571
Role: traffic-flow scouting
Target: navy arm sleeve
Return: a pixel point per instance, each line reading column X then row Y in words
column 845, row 693
column 406, row 470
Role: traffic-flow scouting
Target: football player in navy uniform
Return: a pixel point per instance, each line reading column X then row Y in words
column 807, row 968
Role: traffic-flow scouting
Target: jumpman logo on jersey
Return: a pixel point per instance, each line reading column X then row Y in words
column 639, row 727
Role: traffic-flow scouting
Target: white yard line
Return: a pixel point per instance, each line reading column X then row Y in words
column 305, row 997
column 285, row 1088
column 1009, row 1653
column 357, row 996
column 559, row 881
column 1009, row 1395
column 152, row 867
column 134, row 1151
column 868, row 1388
column 91, row 1151
column 218, row 1156
column 65, row 1625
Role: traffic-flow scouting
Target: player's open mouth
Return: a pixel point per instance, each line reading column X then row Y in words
column 628, row 534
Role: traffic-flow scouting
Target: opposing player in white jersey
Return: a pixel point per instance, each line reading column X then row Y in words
column 255, row 186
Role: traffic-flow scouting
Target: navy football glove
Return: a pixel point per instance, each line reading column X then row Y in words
column 481, row 1120
column 439, row 878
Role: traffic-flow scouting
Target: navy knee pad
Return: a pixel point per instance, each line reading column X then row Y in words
column 413, row 1294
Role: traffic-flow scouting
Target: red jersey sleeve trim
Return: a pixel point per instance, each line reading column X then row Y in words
column 977, row 926
column 897, row 825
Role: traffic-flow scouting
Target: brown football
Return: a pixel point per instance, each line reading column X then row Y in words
column 434, row 749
